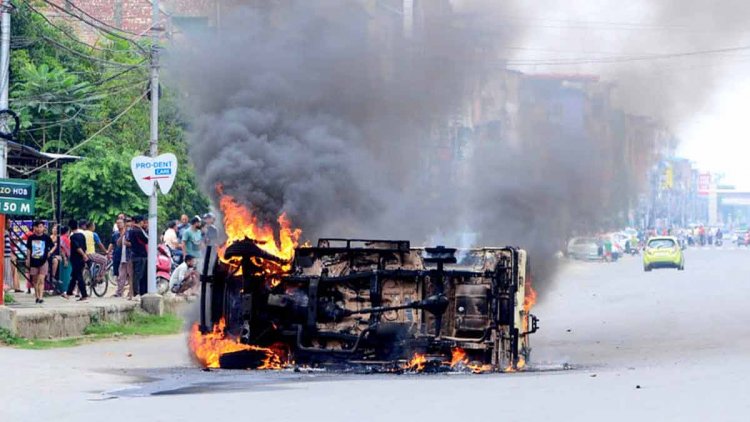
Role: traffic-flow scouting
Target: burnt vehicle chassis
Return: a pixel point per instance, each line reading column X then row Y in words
column 350, row 302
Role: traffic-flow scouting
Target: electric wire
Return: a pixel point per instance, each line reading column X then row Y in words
column 83, row 55
column 90, row 138
column 90, row 85
column 625, row 59
column 97, row 20
column 95, row 97
column 99, row 27
column 71, row 36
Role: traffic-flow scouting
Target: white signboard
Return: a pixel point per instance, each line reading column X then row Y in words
column 161, row 169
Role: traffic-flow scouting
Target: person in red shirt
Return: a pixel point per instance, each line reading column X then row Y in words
column 65, row 268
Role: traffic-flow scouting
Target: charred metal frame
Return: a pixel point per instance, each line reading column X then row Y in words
column 293, row 320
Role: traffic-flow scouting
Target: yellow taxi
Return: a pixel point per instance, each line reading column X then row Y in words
column 663, row 252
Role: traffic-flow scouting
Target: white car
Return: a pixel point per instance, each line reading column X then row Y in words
column 585, row 248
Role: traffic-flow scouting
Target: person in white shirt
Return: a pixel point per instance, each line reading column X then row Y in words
column 185, row 277
column 170, row 236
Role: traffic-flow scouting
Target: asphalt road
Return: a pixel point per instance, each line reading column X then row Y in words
column 657, row 346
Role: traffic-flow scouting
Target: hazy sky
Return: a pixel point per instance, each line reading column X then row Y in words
column 704, row 97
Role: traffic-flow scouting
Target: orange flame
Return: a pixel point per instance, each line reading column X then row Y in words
column 459, row 360
column 208, row 348
column 458, row 357
column 529, row 299
column 416, row 364
column 241, row 223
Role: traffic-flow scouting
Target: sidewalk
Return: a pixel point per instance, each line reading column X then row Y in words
column 60, row 318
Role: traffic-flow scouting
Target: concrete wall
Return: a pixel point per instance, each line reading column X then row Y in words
column 41, row 323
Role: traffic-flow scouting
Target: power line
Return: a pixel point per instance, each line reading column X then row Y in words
column 83, row 55
column 99, row 27
column 624, row 59
column 97, row 96
column 69, row 35
column 100, row 22
column 90, row 85
column 97, row 133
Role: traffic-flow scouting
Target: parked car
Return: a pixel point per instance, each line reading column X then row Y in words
column 663, row 252
column 585, row 248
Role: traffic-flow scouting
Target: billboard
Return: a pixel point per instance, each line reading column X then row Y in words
column 704, row 183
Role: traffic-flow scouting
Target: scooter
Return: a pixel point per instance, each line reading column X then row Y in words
column 164, row 267
column 632, row 247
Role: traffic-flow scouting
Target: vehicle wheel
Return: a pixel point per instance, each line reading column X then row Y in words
column 110, row 277
column 99, row 287
column 162, row 285
column 87, row 281
column 647, row 268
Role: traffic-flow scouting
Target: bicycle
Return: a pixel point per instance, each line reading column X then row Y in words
column 98, row 279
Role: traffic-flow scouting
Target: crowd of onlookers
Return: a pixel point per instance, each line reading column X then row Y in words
column 53, row 258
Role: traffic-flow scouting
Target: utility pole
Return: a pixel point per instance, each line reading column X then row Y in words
column 408, row 15
column 4, row 78
column 5, row 7
column 154, row 150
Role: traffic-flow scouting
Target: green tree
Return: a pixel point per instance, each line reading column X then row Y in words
column 66, row 92
column 101, row 186
column 51, row 99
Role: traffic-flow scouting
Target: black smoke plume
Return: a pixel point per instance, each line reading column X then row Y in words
column 336, row 114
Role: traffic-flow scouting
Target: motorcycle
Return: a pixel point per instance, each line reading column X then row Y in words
column 632, row 248
column 164, row 268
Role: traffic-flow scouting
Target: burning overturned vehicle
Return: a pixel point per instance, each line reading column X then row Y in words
column 378, row 305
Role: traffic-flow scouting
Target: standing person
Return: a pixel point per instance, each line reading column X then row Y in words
column 172, row 242
column 192, row 240
column 138, row 244
column 10, row 275
column 54, row 258
column 184, row 225
column 121, row 261
column 65, row 268
column 78, row 258
column 24, row 254
column 170, row 235
column 39, row 245
column 120, row 216
column 210, row 232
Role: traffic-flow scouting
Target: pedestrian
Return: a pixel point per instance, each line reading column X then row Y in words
column 184, row 225
column 78, row 259
column 185, row 277
column 121, row 261
column 10, row 275
column 210, row 232
column 54, row 258
column 39, row 244
column 23, row 253
column 192, row 240
column 170, row 236
column 65, row 267
column 120, row 216
column 138, row 244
